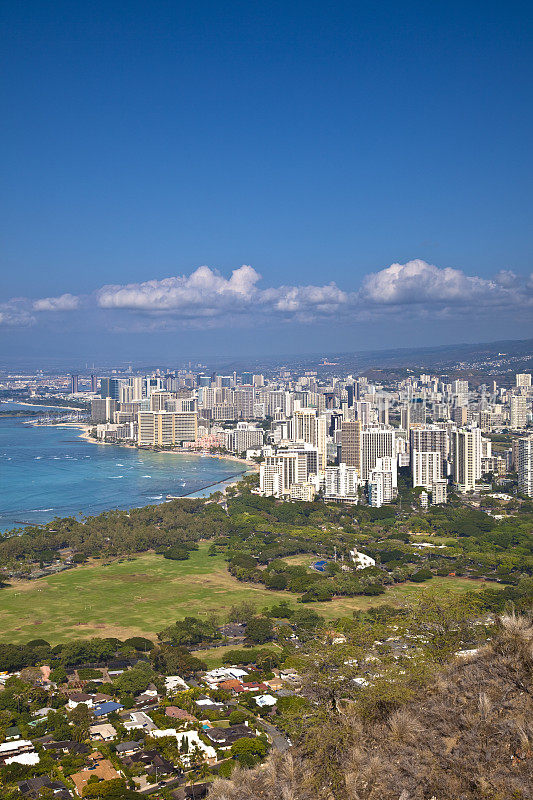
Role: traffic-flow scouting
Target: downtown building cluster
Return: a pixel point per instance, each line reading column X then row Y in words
column 342, row 439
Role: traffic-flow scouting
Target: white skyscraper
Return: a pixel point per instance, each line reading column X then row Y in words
column 427, row 468
column 341, row 482
column 523, row 379
column 466, row 458
column 307, row 427
column 518, row 414
column 376, row 443
column 525, row 465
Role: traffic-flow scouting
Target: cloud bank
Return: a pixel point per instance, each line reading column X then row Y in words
column 66, row 302
column 207, row 298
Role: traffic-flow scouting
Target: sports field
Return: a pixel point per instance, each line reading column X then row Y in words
column 143, row 595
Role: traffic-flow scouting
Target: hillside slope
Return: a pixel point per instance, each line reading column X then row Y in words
column 468, row 736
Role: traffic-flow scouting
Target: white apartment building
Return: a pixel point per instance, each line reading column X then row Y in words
column 307, row 427
column 377, row 443
column 380, row 488
column 244, row 437
column 525, row 465
column 518, row 412
column 466, row 458
column 281, row 470
column 427, row 467
column 341, row 482
column 439, row 492
column 304, row 492
column 523, row 379
column 164, row 428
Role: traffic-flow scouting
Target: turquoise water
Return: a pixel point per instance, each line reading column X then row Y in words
column 47, row 472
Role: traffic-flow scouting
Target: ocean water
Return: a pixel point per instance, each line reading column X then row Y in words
column 49, row 471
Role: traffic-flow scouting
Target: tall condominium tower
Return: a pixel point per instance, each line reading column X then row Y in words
column 466, row 458
column 525, row 465
column 351, row 444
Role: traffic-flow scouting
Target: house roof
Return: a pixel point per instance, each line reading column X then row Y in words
column 32, row 787
column 106, row 708
column 178, row 713
column 230, row 685
column 124, row 747
column 103, row 769
column 229, row 735
column 79, row 697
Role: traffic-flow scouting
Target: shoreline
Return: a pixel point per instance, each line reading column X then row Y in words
column 84, row 434
column 232, row 474
column 44, row 405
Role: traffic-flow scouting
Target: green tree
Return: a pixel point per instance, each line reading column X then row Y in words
column 259, row 630
column 248, row 751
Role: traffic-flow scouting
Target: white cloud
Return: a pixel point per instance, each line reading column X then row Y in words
column 205, row 298
column 65, row 302
column 14, row 314
column 419, row 282
column 206, row 293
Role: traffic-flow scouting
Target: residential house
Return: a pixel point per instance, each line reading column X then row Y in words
column 265, row 700
column 104, row 709
column 153, row 762
column 104, row 732
column 33, row 787
column 223, row 738
column 66, row 747
column 129, row 748
column 178, row 713
column 102, row 769
column 15, row 749
column 138, row 720
column 192, row 740
column 77, row 698
column 174, row 683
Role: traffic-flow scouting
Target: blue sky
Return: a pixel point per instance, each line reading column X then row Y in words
column 315, row 143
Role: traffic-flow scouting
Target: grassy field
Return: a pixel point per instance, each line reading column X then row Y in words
column 142, row 596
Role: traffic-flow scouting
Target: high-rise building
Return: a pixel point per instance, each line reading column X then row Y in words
column 460, row 415
column 73, row 384
column 103, row 409
column 244, row 437
column 279, row 472
column 466, row 458
column 307, row 427
column 363, row 411
column 159, row 400
column 137, row 384
column 427, row 467
column 523, row 379
column 439, row 492
column 381, row 487
column 350, row 438
column 377, row 443
column 94, row 384
column 460, row 392
column 525, row 465
column 518, row 412
column 341, row 482
column 430, row 437
column 413, row 413
column 164, row 428
column 110, row 387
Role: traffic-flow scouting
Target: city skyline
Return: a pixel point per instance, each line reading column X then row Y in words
column 280, row 180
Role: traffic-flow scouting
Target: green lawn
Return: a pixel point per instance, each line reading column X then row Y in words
column 142, row 596
column 213, row 656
